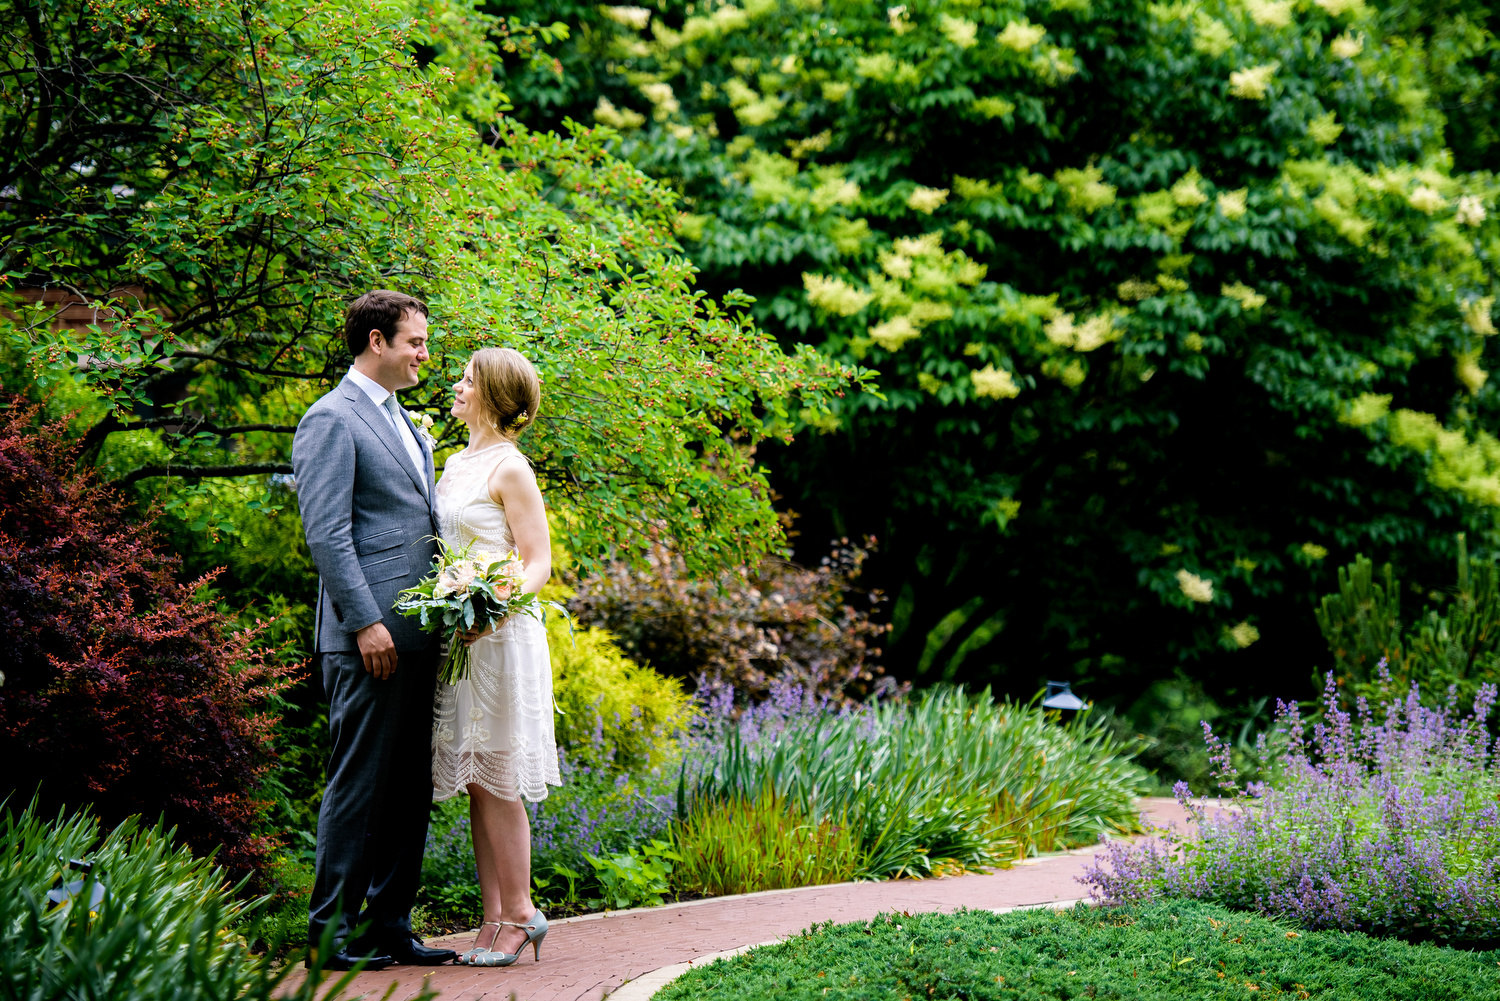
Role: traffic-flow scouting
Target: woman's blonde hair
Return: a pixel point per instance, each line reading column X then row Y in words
column 510, row 392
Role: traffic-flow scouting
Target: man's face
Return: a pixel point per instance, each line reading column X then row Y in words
column 401, row 357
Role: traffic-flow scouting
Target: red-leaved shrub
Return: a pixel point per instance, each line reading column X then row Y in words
column 121, row 688
column 777, row 623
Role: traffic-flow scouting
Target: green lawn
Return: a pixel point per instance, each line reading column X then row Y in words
column 1180, row 949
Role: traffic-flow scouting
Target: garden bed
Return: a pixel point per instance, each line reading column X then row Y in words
column 1177, row 949
column 799, row 792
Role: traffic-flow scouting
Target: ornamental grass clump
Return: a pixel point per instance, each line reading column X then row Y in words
column 131, row 915
column 1383, row 822
column 952, row 780
column 764, row 843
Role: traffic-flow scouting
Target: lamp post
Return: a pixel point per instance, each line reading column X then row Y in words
column 64, row 893
column 1060, row 696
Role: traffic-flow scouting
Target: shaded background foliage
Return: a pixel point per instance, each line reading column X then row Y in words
column 1035, row 526
column 749, row 629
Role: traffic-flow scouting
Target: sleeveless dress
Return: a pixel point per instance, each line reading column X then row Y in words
column 494, row 728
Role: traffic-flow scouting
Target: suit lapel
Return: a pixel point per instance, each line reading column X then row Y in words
column 427, row 460
column 378, row 423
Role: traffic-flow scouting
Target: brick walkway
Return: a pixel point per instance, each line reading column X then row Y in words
column 585, row 958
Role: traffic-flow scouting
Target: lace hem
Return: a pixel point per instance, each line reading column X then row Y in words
column 506, row 776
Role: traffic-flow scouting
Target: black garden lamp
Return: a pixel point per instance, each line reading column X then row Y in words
column 1060, row 696
column 65, row 893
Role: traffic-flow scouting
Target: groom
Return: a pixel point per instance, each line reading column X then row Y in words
column 364, row 484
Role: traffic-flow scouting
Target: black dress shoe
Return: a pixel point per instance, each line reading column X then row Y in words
column 410, row 951
column 344, row 960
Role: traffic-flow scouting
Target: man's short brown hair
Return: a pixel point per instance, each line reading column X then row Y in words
column 379, row 310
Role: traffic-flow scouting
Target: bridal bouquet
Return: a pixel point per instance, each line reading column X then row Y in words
column 468, row 589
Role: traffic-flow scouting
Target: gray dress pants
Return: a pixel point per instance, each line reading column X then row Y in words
column 372, row 828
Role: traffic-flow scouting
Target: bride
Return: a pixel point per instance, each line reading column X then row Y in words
column 492, row 732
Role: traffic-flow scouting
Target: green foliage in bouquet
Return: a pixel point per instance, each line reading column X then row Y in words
column 1454, row 643
column 1154, row 289
column 213, row 182
column 469, row 588
column 614, row 714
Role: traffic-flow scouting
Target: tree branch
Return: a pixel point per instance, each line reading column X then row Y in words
column 202, row 472
column 232, row 363
column 189, row 425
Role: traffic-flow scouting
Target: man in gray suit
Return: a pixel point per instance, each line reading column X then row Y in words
column 364, row 484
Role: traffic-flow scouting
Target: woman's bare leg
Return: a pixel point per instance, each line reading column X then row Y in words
column 502, row 850
column 489, row 880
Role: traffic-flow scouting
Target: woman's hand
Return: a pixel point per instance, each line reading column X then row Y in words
column 471, row 636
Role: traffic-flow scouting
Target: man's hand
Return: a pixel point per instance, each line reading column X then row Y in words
column 378, row 650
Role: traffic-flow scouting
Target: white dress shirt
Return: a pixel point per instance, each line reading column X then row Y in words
column 377, row 394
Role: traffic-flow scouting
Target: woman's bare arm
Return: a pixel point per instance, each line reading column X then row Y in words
column 513, row 487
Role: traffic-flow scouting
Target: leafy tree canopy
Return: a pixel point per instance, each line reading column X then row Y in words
column 1169, row 300
column 213, row 180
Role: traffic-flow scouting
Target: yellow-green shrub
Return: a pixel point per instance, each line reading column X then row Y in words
column 614, row 712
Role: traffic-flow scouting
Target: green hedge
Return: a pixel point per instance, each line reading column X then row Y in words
column 1177, row 950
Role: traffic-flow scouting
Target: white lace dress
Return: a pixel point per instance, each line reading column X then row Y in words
column 494, row 728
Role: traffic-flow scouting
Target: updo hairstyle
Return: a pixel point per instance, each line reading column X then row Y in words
column 510, row 392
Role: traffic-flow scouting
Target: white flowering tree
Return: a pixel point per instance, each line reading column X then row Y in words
column 1169, row 301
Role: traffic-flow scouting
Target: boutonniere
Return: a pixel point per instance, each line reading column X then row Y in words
column 423, row 423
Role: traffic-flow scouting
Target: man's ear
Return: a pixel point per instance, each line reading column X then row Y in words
column 377, row 340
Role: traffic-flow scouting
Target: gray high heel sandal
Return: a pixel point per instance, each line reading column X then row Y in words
column 536, row 930
column 467, row 959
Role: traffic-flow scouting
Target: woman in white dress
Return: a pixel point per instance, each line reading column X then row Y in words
column 492, row 732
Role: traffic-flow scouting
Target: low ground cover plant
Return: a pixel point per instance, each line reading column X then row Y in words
column 951, row 779
column 1171, row 949
column 1383, row 820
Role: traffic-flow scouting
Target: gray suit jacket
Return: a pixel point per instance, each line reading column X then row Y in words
column 367, row 520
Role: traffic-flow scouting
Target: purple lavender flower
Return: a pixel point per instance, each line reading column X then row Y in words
column 1384, row 821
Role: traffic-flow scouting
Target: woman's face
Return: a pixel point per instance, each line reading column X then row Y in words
column 466, row 397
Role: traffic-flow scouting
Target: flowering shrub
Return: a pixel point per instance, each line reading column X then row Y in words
column 1385, row 823
column 745, row 628
column 122, row 687
column 597, row 811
